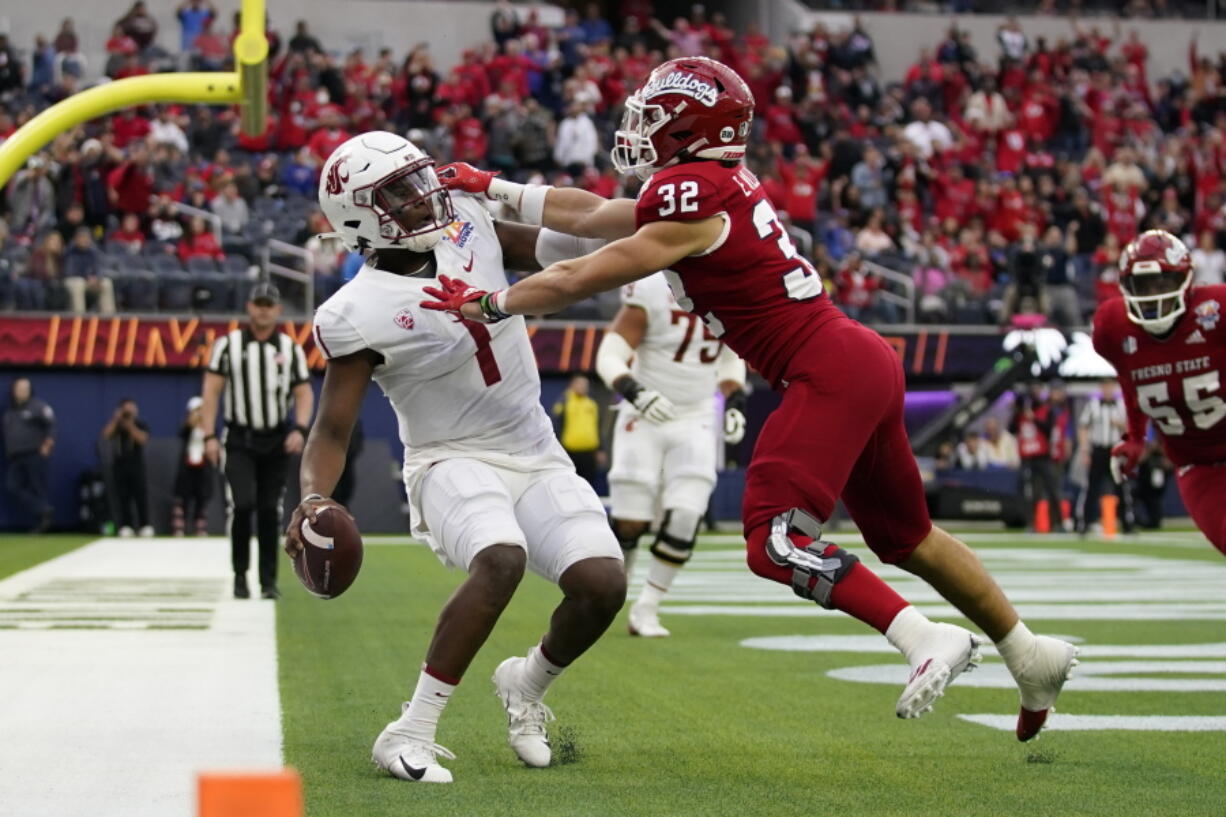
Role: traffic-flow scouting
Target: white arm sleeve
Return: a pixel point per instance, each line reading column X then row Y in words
column 613, row 358
column 552, row 246
column 730, row 367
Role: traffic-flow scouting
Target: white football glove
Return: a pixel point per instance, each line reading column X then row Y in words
column 734, row 426
column 654, row 406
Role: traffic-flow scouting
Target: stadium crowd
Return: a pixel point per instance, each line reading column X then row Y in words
column 974, row 192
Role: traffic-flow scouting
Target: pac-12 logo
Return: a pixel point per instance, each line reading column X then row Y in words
column 337, row 178
column 1208, row 314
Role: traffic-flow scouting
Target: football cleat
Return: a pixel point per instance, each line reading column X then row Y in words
column 944, row 654
column 526, row 719
column 644, row 621
column 1039, row 682
column 407, row 758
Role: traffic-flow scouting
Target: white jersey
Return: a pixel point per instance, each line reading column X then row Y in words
column 677, row 356
column 459, row 388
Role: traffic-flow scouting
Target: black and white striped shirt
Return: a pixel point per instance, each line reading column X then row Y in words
column 260, row 378
column 1104, row 421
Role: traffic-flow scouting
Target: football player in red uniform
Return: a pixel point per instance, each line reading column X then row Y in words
column 703, row 217
column 1164, row 341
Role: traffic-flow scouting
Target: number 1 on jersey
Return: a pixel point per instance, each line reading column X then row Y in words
column 801, row 283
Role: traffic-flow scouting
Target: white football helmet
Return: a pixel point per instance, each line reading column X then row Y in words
column 380, row 192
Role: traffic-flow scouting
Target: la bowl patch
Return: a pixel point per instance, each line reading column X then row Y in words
column 1208, row 314
column 460, row 233
column 404, row 319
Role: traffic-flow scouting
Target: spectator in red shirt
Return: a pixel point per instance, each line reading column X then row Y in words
column 780, row 119
column 130, row 185
column 129, row 236
column 329, row 136
column 955, row 195
column 803, row 180
column 469, row 136
column 199, row 242
column 128, row 127
column 210, row 48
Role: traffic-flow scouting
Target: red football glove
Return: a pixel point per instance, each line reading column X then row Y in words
column 453, row 295
column 464, row 177
column 1125, row 457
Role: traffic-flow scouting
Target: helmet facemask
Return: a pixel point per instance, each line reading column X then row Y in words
column 412, row 207
column 633, row 148
column 1154, row 297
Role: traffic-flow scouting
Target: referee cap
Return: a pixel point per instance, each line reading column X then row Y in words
column 266, row 292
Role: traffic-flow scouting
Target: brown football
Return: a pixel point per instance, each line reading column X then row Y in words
column 331, row 555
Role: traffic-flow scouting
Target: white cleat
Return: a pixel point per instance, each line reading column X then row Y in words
column 945, row 654
column 409, row 759
column 1039, row 682
column 644, row 621
column 525, row 719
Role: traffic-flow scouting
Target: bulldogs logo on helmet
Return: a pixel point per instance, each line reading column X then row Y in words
column 1155, row 273
column 379, row 191
column 693, row 107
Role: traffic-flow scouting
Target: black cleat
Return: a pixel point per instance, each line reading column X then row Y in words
column 240, row 587
column 270, row 592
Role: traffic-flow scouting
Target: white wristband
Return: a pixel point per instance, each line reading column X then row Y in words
column 526, row 199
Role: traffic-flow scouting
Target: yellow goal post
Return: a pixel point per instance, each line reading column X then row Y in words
column 247, row 86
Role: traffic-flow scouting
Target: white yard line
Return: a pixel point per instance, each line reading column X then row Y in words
column 128, row 669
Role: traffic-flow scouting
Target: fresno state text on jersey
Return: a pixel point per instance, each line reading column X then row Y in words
column 752, row 288
column 1175, row 381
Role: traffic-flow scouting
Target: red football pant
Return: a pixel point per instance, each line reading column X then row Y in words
column 1203, row 489
column 839, row 433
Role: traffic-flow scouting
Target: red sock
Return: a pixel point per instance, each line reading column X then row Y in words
column 860, row 593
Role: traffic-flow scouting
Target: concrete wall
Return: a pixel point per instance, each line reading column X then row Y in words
column 449, row 26
column 899, row 37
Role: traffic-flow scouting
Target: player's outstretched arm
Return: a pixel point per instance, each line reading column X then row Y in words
column 654, row 247
column 565, row 209
column 323, row 459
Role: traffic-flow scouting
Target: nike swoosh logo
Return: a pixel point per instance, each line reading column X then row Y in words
column 471, row 257
column 920, row 670
column 416, row 774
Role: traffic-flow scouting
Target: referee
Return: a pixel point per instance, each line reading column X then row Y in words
column 260, row 370
column 1101, row 425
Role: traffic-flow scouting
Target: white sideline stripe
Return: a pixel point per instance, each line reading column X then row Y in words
column 117, row 723
column 1095, row 723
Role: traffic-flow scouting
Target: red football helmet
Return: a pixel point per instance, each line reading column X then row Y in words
column 1155, row 273
column 693, row 107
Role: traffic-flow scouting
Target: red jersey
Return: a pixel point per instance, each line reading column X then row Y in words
column 751, row 288
column 1176, row 381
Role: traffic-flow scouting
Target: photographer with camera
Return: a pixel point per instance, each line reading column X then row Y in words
column 128, row 435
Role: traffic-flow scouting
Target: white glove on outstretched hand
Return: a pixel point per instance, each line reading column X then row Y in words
column 654, row 406
column 734, row 426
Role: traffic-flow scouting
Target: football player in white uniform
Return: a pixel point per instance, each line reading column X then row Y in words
column 664, row 445
column 490, row 489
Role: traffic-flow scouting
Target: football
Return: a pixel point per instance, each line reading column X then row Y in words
column 331, row 555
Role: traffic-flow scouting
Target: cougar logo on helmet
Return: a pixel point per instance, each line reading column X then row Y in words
column 336, row 181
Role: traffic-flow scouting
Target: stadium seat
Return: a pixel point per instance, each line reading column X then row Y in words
column 137, row 289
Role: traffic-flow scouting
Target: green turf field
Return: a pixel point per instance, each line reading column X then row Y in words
column 703, row 725
column 19, row 551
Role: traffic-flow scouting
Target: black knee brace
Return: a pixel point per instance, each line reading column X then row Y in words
column 814, row 571
column 675, row 541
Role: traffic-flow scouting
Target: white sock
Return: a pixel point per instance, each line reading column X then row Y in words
column 539, row 673
column 420, row 719
column 1016, row 647
column 659, row 579
column 907, row 630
